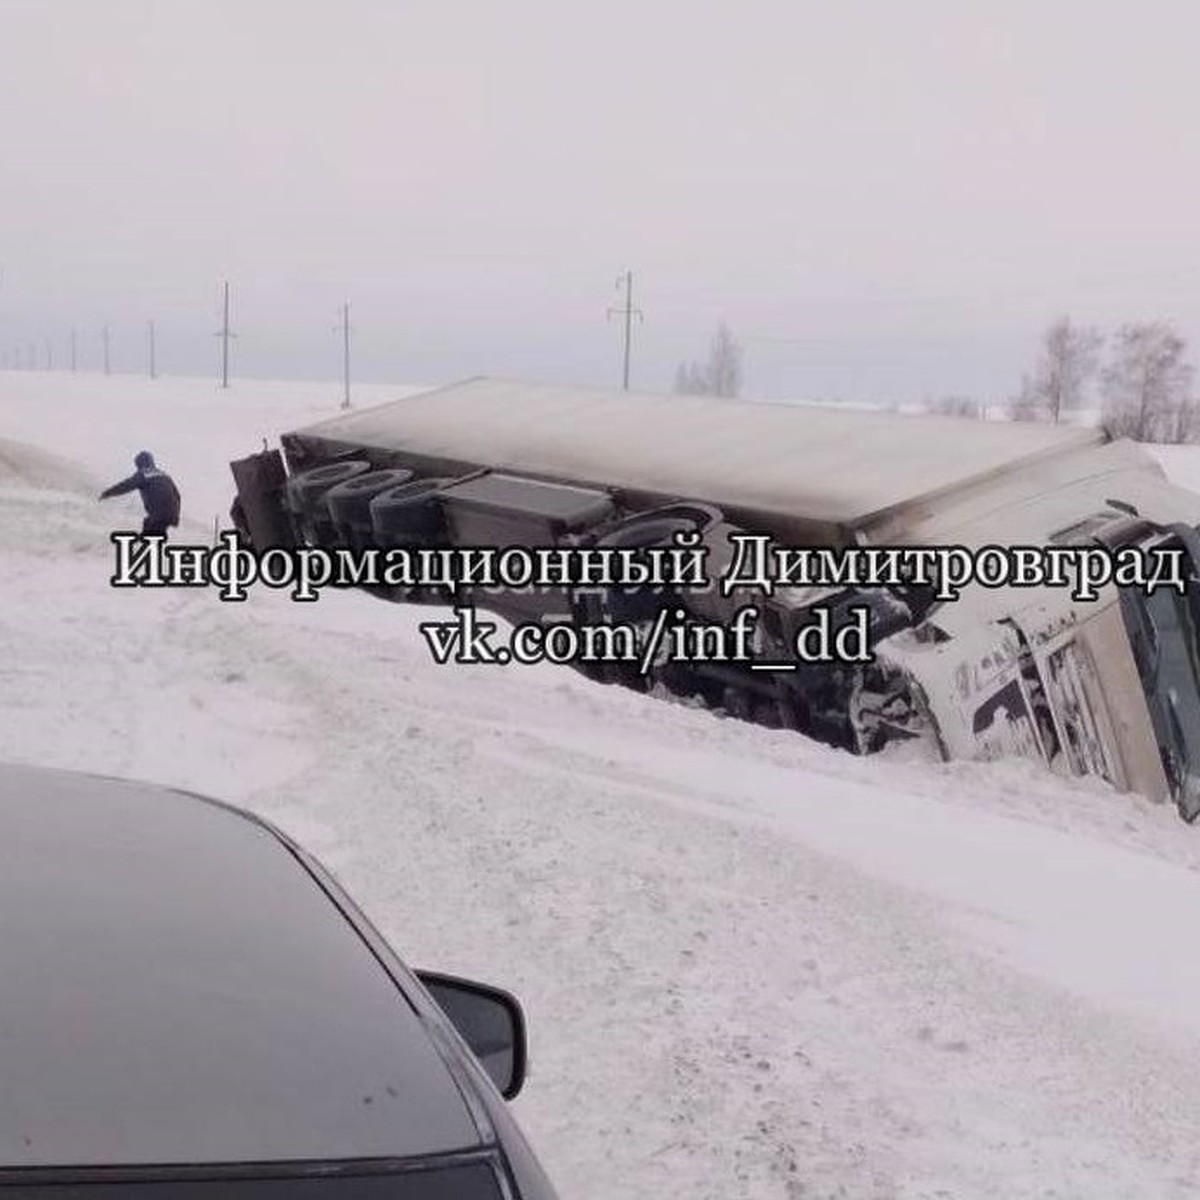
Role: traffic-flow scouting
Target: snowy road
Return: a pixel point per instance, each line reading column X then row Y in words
column 753, row 967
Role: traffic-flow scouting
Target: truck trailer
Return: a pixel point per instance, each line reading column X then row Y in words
column 1101, row 680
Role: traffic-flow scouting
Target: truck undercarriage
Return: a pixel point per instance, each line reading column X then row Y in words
column 353, row 504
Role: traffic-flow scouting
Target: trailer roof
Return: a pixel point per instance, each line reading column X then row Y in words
column 819, row 464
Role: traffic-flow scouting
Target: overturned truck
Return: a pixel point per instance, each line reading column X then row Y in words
column 789, row 506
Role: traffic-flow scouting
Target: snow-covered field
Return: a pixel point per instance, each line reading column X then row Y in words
column 753, row 966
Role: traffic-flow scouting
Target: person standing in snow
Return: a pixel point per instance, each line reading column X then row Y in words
column 160, row 496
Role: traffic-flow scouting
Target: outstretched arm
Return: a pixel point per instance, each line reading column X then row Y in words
column 119, row 489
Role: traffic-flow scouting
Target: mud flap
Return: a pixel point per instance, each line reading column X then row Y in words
column 259, row 510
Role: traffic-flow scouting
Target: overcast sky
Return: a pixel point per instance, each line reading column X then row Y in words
column 884, row 200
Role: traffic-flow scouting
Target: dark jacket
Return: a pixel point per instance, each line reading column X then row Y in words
column 160, row 496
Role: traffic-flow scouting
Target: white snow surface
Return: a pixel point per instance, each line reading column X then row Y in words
column 752, row 966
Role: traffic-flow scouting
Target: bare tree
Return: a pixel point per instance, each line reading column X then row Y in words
column 1147, row 385
column 1027, row 404
column 691, row 379
column 1067, row 362
column 1182, row 423
column 725, row 363
column 721, row 375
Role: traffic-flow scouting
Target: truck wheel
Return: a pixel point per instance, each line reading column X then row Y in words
column 681, row 515
column 652, row 530
column 639, row 604
column 655, row 528
column 350, row 500
column 310, row 517
column 304, row 489
column 349, row 503
column 408, row 513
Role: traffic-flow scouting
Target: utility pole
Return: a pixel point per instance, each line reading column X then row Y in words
column 225, row 341
column 150, row 332
column 49, row 355
column 74, row 353
column 344, row 330
column 33, row 356
column 628, row 312
column 107, row 364
column 225, row 334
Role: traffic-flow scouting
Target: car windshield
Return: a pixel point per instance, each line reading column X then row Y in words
column 460, row 1181
column 1164, row 629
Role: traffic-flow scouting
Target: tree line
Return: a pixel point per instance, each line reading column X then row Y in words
column 1140, row 375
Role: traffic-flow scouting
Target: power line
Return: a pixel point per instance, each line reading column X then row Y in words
column 225, row 333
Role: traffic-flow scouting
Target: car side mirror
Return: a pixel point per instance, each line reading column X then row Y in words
column 490, row 1021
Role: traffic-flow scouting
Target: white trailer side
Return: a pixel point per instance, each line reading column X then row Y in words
column 798, row 472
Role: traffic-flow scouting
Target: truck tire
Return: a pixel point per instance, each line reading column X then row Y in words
column 304, row 489
column 349, row 503
column 656, row 528
column 651, row 531
column 659, row 525
column 304, row 492
column 409, row 514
